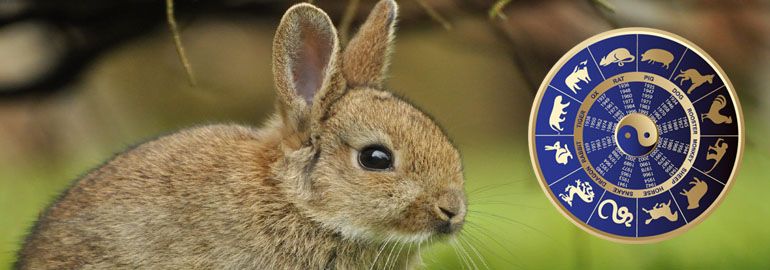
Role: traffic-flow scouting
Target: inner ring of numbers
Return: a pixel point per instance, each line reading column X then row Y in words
column 613, row 163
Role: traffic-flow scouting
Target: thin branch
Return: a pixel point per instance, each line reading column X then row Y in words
column 497, row 9
column 604, row 4
column 178, row 42
column 435, row 15
column 347, row 20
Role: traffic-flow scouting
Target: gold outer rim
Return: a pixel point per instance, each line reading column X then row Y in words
column 690, row 46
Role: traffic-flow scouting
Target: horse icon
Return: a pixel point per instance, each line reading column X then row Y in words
column 716, row 152
column 713, row 114
column 556, row 114
column 563, row 154
column 579, row 73
column 618, row 56
column 695, row 77
column 658, row 55
column 661, row 210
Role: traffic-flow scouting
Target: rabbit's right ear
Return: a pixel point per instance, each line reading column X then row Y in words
column 305, row 67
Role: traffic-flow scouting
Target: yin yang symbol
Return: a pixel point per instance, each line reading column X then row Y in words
column 636, row 134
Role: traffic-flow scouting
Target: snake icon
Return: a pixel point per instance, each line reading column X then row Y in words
column 619, row 215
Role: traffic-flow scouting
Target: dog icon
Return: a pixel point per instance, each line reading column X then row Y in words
column 695, row 77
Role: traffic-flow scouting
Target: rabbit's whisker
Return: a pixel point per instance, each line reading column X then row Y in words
column 475, row 228
column 390, row 253
column 503, row 203
column 510, row 221
column 474, row 251
column 382, row 247
column 454, row 248
column 464, row 251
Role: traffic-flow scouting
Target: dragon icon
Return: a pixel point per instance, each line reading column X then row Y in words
column 583, row 190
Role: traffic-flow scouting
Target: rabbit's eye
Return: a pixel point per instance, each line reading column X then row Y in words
column 375, row 157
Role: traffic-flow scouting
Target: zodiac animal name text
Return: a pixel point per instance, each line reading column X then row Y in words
column 658, row 55
column 563, row 154
column 618, row 56
column 695, row 77
column 583, row 190
column 661, row 210
column 556, row 114
column 579, row 74
column 619, row 215
column 695, row 193
column 713, row 114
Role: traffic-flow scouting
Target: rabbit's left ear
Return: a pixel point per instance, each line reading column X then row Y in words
column 366, row 58
column 305, row 66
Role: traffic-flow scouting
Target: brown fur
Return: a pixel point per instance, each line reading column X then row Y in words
column 290, row 195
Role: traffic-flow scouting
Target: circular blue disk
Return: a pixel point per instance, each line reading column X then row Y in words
column 635, row 135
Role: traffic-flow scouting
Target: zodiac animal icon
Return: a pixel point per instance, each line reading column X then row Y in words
column 618, row 56
column 715, row 152
column 658, row 55
column 619, row 215
column 562, row 153
column 695, row 193
column 583, row 189
column 556, row 114
column 717, row 105
column 579, row 73
column 661, row 210
column 695, row 77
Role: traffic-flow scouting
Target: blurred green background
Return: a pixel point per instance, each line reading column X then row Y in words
column 475, row 65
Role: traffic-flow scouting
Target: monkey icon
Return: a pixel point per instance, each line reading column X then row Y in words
column 716, row 152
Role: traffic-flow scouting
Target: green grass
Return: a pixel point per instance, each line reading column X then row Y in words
column 512, row 224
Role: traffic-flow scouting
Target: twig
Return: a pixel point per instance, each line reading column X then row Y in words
column 497, row 9
column 347, row 20
column 604, row 4
column 178, row 42
column 602, row 7
column 435, row 15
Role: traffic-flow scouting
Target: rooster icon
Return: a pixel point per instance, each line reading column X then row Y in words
column 714, row 114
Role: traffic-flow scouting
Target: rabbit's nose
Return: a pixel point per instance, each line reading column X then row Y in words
column 450, row 210
column 447, row 212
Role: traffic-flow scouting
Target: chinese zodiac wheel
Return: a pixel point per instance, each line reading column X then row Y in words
column 636, row 134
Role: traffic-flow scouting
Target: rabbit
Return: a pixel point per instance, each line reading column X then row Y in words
column 342, row 174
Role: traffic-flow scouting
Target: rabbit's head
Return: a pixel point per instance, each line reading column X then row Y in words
column 357, row 159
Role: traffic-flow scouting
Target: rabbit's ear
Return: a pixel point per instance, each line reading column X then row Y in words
column 365, row 60
column 305, row 64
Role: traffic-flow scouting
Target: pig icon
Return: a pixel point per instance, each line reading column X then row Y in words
column 658, row 55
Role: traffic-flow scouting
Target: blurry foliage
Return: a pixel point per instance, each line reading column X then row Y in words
column 478, row 79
